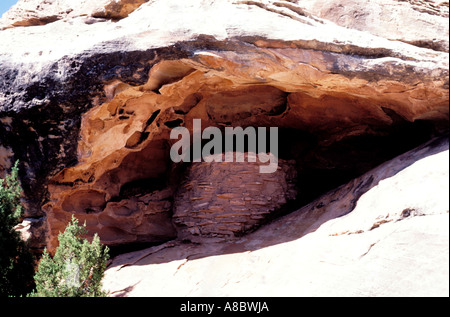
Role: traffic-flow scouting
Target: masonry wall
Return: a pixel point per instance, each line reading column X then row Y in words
column 222, row 199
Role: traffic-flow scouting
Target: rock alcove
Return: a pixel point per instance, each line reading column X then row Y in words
column 127, row 189
column 91, row 127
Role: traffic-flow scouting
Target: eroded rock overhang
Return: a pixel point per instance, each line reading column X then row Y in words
column 337, row 124
column 91, row 128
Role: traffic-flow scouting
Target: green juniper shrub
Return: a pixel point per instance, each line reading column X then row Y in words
column 16, row 260
column 77, row 268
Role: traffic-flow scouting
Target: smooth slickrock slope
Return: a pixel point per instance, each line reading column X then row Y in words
column 91, row 90
column 37, row 12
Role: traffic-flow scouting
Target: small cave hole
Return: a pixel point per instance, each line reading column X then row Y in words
column 322, row 167
column 174, row 123
column 140, row 187
column 153, row 117
column 85, row 201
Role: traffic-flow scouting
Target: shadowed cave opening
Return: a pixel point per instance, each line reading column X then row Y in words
column 140, row 187
column 320, row 167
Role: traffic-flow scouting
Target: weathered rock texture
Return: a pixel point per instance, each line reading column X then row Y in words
column 38, row 12
column 382, row 234
column 417, row 22
column 88, row 97
column 143, row 218
column 5, row 160
column 225, row 199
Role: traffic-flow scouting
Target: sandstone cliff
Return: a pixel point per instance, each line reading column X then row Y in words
column 90, row 91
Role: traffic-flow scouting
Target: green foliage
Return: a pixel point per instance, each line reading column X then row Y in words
column 77, row 268
column 16, row 261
